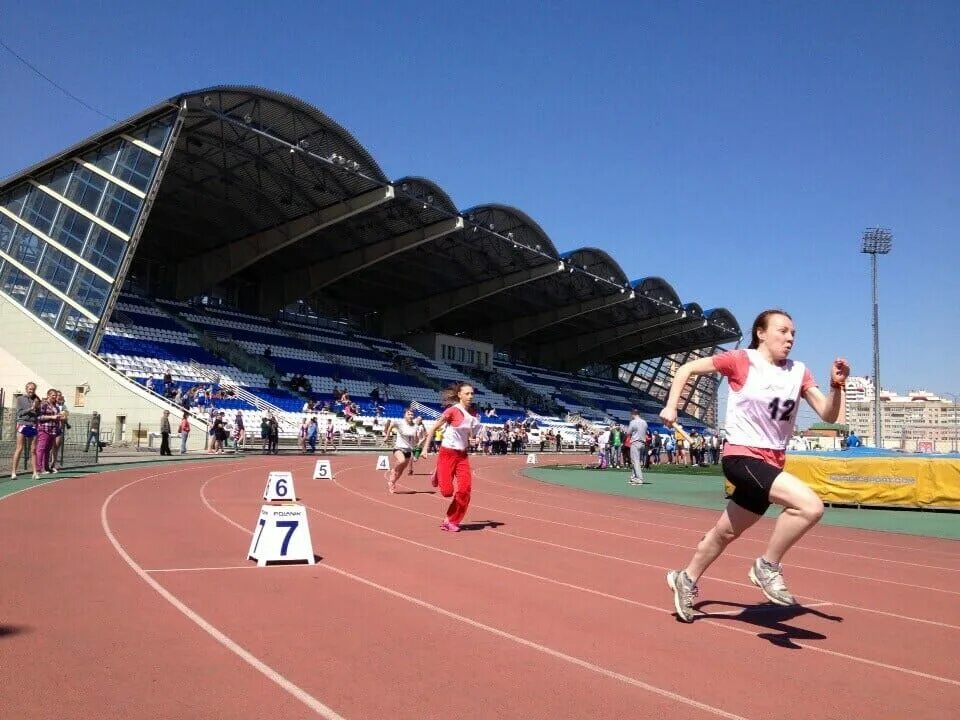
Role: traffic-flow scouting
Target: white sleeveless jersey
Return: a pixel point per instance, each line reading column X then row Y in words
column 462, row 425
column 763, row 413
column 406, row 435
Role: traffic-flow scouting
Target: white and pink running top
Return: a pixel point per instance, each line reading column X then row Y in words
column 461, row 425
column 406, row 435
column 763, row 403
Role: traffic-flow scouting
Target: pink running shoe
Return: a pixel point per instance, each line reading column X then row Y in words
column 448, row 526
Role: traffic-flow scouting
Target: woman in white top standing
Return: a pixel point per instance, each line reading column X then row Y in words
column 458, row 424
column 765, row 391
column 402, row 447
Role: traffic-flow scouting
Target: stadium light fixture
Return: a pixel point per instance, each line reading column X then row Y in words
column 876, row 241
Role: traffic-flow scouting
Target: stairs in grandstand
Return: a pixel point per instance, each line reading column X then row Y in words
column 584, row 401
column 407, row 368
column 282, row 416
column 224, row 348
column 524, row 397
column 424, row 410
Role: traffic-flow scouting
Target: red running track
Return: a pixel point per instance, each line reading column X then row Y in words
column 127, row 594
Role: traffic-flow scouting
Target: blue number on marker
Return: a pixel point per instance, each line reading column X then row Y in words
column 292, row 525
column 281, row 488
column 262, row 523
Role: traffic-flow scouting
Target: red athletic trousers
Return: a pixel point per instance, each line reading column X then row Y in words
column 453, row 464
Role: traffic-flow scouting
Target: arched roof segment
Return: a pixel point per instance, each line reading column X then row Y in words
column 725, row 319
column 506, row 219
column 657, row 287
column 598, row 262
column 426, row 191
column 288, row 117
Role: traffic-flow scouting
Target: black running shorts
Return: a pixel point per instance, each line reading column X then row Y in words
column 752, row 479
column 406, row 453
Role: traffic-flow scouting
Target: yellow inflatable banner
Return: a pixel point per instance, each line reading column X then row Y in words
column 881, row 481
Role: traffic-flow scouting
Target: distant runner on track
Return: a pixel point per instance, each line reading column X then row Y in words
column 403, row 446
column 765, row 390
column 458, row 424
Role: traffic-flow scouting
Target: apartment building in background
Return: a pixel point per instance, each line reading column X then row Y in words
column 917, row 421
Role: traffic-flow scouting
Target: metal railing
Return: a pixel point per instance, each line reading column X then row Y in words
column 172, row 406
column 241, row 393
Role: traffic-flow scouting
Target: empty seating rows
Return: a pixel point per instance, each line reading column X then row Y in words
column 613, row 398
column 142, row 339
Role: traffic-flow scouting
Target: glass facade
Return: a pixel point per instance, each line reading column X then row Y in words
column 65, row 234
column 654, row 376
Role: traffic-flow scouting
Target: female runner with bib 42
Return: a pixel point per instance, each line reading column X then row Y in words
column 765, row 390
column 458, row 425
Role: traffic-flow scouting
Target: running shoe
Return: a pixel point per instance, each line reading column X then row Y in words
column 435, row 481
column 684, row 593
column 448, row 526
column 769, row 578
column 635, row 481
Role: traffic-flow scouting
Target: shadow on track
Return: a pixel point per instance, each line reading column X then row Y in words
column 769, row 617
column 480, row 525
column 11, row 630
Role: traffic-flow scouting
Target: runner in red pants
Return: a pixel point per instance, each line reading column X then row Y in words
column 453, row 474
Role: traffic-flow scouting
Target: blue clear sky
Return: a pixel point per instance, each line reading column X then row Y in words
column 737, row 149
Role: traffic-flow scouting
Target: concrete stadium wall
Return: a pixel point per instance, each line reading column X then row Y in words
column 39, row 354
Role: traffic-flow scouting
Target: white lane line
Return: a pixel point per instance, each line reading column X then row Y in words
column 294, row 690
column 868, row 578
column 755, row 610
column 646, row 503
column 845, row 656
column 199, row 569
column 586, row 665
column 661, row 542
column 500, row 531
column 724, row 626
column 700, row 532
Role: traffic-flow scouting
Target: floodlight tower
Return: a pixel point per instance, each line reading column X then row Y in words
column 876, row 241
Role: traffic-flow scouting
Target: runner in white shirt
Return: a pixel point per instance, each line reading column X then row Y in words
column 421, row 431
column 765, row 389
column 458, row 424
column 403, row 446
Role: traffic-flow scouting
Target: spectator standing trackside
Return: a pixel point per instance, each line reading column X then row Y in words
column 28, row 406
column 638, row 446
column 93, row 434
column 184, row 433
column 48, row 423
column 274, row 435
column 165, row 433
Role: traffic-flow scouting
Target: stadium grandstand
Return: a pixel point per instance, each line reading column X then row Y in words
column 238, row 239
